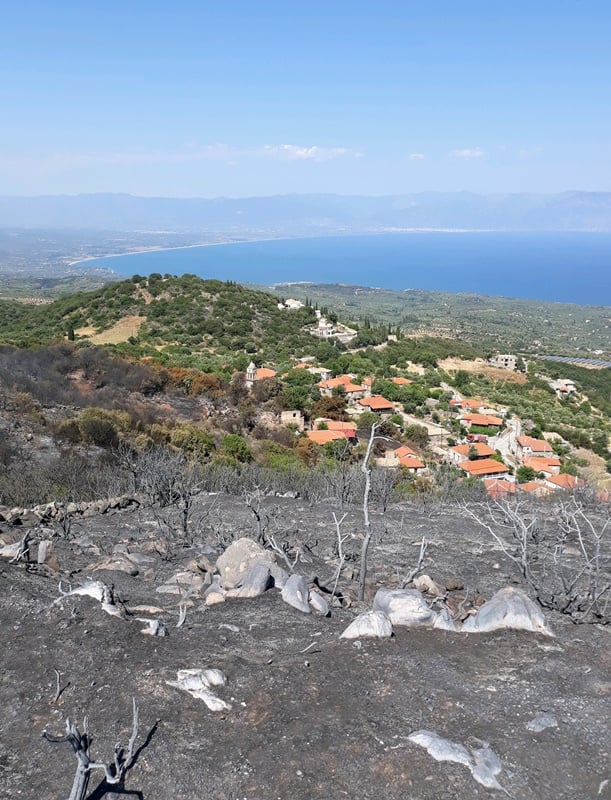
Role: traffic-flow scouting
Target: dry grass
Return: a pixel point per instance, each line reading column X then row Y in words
column 481, row 367
column 120, row 332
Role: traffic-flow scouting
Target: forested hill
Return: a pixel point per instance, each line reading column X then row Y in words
column 183, row 314
column 192, row 322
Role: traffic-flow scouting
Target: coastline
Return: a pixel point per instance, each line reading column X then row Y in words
column 159, row 249
column 334, row 235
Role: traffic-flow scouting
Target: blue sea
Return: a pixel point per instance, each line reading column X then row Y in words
column 561, row 267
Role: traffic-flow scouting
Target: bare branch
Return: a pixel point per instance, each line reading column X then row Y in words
column 412, row 574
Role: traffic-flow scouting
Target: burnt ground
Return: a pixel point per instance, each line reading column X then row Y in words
column 312, row 716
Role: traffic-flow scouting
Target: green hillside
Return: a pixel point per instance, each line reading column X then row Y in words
column 180, row 319
column 490, row 323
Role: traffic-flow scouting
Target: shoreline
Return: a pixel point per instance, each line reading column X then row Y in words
column 335, row 235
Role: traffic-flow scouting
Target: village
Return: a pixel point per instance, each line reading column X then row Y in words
column 483, row 441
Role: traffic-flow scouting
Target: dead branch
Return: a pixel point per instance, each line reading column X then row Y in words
column 412, row 573
column 23, row 551
column 561, row 552
column 114, row 773
column 341, row 539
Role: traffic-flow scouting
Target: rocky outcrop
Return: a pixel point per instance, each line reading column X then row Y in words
column 49, row 512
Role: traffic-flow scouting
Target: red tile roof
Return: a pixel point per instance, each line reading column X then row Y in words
column 543, row 463
column 536, row 445
column 404, row 450
column 483, row 466
column 499, row 488
column 483, row 450
column 376, row 403
column 401, row 381
column 345, row 381
column 484, row 420
column 263, row 372
column 535, row 487
column 411, row 462
column 566, row 481
column 338, row 425
column 322, row 437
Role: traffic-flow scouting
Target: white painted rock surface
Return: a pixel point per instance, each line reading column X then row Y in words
column 372, row 624
column 319, row 604
column 404, row 607
column 508, row 608
column 483, row 763
column 295, row 593
column 254, row 583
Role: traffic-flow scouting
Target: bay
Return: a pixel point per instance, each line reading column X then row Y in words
column 561, row 267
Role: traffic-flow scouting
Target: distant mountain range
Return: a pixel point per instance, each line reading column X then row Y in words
column 312, row 213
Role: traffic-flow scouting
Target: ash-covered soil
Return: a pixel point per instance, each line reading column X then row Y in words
column 312, row 716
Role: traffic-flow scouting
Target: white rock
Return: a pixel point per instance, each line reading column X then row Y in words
column 152, row 627
column 213, row 598
column 238, row 558
column 254, row 582
column 404, row 607
column 198, row 682
column 483, row 762
column 372, row 624
column 424, row 583
column 441, row 749
column 508, row 608
column 319, row 604
column 295, row 593
column 542, row 721
column 444, row 622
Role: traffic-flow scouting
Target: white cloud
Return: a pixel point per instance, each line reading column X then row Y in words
column 294, row 152
column 56, row 162
column 417, row 157
column 468, row 152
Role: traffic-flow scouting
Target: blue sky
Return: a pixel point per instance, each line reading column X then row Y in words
column 189, row 98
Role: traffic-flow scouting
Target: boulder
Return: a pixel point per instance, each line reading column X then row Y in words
column 372, row 624
column 46, row 555
column 182, row 583
column 115, row 563
column 239, row 557
column 404, row 607
column 508, row 608
column 426, row 585
column 319, row 604
column 295, row 593
column 279, row 575
column 254, row 583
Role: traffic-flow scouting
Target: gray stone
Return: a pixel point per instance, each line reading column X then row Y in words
column 444, row 622
column 279, row 575
column 542, row 721
column 508, row 608
column 254, row 583
column 295, row 593
column 372, row 624
column 482, row 762
column 182, row 583
column 319, row 604
column 404, row 607
column 239, row 557
column 425, row 584
column 115, row 563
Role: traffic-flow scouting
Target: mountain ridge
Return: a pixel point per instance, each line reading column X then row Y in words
column 308, row 213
